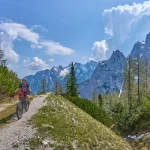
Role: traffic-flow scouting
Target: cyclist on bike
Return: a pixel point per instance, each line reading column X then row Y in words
column 25, row 88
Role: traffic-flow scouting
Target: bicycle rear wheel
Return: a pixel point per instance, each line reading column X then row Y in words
column 19, row 110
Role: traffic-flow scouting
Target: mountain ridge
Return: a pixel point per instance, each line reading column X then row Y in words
column 102, row 77
column 59, row 73
column 106, row 78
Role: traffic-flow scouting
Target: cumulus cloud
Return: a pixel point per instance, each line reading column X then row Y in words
column 6, row 44
column 9, row 32
column 37, row 64
column 124, row 25
column 99, row 49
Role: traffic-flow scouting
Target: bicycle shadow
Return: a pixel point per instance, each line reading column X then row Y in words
column 12, row 119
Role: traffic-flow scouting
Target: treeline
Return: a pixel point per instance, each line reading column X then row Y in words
column 130, row 109
column 136, row 82
column 9, row 80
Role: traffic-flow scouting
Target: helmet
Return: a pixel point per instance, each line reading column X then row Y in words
column 24, row 79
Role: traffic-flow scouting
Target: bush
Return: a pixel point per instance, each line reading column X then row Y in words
column 92, row 109
column 122, row 118
column 135, row 122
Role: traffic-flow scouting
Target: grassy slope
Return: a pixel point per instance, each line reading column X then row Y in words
column 8, row 111
column 62, row 125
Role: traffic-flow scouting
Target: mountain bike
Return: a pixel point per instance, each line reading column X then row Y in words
column 23, row 104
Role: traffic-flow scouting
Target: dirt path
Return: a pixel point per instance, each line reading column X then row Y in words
column 14, row 133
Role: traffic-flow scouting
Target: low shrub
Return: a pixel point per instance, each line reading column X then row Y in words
column 137, row 121
column 92, row 109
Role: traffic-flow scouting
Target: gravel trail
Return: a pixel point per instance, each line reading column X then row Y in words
column 16, row 131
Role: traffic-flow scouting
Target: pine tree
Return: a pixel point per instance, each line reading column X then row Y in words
column 110, row 101
column 138, row 81
column 146, row 75
column 139, row 72
column 58, row 89
column 44, row 86
column 72, row 89
column 129, row 82
column 68, row 85
column 100, row 100
column 2, row 60
column 95, row 98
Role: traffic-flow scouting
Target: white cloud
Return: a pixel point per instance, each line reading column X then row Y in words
column 37, row 64
column 9, row 32
column 26, row 60
column 92, row 58
column 55, row 48
column 7, row 45
column 15, row 31
column 36, row 27
column 99, row 49
column 51, row 60
column 125, row 25
column 52, row 47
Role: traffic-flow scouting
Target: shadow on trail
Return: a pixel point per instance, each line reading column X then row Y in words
column 9, row 119
column 12, row 119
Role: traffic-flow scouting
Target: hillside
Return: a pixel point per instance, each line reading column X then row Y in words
column 61, row 125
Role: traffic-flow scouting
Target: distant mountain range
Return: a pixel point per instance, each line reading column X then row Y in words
column 59, row 73
column 101, row 77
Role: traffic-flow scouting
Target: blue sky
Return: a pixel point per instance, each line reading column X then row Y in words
column 37, row 34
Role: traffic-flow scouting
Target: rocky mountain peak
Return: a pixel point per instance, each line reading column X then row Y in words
column 117, row 55
column 76, row 64
column 137, row 49
column 147, row 41
column 91, row 64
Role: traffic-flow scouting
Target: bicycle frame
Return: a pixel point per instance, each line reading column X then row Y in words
column 23, row 100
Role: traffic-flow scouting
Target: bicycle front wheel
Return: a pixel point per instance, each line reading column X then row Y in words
column 26, row 105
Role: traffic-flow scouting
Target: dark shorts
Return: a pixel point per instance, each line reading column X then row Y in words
column 26, row 93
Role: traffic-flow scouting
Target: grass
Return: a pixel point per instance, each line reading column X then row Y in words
column 92, row 109
column 65, row 126
column 6, row 113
